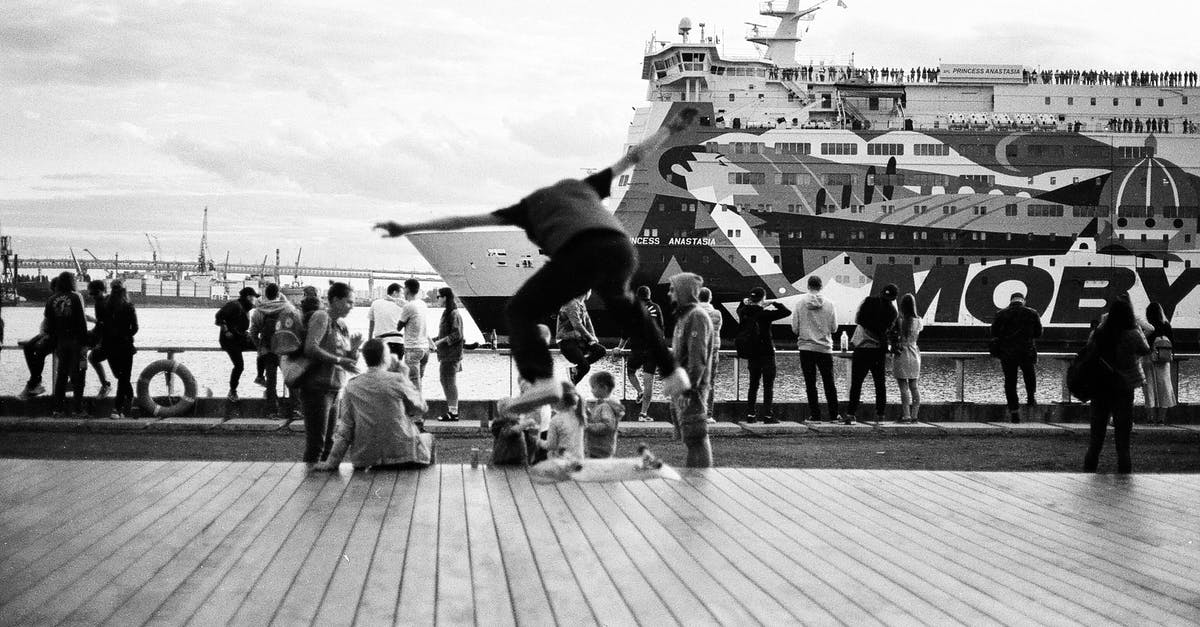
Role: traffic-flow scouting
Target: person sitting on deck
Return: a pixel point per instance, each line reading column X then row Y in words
column 374, row 418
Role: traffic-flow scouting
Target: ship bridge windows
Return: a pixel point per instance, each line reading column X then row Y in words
column 839, row 178
column 793, row 148
column 838, row 148
column 1037, row 210
column 885, row 149
column 931, row 150
column 747, row 178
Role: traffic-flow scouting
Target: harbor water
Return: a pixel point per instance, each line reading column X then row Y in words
column 490, row 374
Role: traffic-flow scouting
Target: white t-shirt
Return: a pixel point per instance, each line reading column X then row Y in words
column 385, row 313
column 413, row 317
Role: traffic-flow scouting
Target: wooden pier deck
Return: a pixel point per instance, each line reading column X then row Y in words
column 207, row 543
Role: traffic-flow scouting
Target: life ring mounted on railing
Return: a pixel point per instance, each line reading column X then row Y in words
column 178, row 404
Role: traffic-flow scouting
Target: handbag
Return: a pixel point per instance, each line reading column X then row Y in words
column 294, row 368
column 1088, row 373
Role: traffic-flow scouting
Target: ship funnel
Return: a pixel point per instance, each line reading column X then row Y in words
column 685, row 27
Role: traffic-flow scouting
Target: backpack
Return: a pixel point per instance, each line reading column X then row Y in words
column 1088, row 373
column 287, row 333
column 748, row 340
column 266, row 329
column 1162, row 352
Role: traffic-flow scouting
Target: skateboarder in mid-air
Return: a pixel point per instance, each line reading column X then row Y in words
column 588, row 249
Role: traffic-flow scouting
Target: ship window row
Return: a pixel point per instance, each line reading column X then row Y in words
column 1036, row 210
column 793, row 148
column 885, row 149
column 931, row 150
column 793, row 178
column 747, row 178
column 722, row 70
column 1135, row 152
column 838, row 148
column 747, row 148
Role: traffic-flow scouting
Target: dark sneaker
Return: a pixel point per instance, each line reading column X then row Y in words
column 448, row 417
column 105, row 388
column 29, row 393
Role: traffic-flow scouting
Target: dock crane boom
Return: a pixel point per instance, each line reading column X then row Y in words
column 296, row 270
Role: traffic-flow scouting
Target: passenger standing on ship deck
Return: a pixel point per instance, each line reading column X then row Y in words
column 875, row 315
column 97, row 353
column 416, row 338
column 66, row 325
column 449, row 346
column 1159, row 392
column 761, row 359
column 640, row 362
column 814, row 322
column 588, row 249
column 117, row 339
column 383, row 319
column 1121, row 345
column 327, row 341
column 234, row 320
column 577, row 337
column 1014, row 334
column 717, row 320
column 907, row 364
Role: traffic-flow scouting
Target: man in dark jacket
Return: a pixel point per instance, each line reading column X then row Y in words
column 234, row 320
column 875, row 315
column 1014, row 331
column 761, row 361
column 66, row 325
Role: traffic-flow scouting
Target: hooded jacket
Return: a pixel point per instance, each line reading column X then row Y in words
column 259, row 315
column 692, row 341
column 814, row 322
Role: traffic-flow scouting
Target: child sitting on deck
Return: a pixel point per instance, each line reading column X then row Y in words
column 588, row 249
column 564, row 439
column 600, row 433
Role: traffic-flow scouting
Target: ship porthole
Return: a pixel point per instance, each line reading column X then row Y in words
column 1178, row 223
column 1122, row 222
column 1150, row 223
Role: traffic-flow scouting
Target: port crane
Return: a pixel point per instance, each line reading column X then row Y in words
column 108, row 273
column 296, row 270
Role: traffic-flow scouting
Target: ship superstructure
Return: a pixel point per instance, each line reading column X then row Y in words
column 960, row 183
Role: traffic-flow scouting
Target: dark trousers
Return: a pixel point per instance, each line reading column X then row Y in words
column 1010, row 365
column 121, row 363
column 762, row 369
column 602, row 261
column 317, row 405
column 36, row 351
column 239, row 366
column 69, row 357
column 581, row 355
column 812, row 362
column 862, row 362
column 269, row 362
column 1117, row 402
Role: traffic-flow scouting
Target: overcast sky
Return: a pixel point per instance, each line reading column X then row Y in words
column 298, row 124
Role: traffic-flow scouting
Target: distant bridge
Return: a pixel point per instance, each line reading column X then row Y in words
column 183, row 268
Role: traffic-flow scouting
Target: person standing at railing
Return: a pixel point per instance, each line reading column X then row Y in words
column 334, row 351
column 1159, row 393
column 383, row 320
column 97, row 353
column 117, row 338
column 1014, row 341
column 416, row 338
column 906, row 365
column 66, row 325
column 264, row 318
column 641, row 359
column 814, row 322
column 692, row 345
column 875, row 315
column 718, row 320
column 449, row 346
column 233, row 318
column 1121, row 345
column 758, row 348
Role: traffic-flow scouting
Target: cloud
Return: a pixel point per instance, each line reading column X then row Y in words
column 558, row 134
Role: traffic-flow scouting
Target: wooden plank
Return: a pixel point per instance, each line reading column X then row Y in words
column 55, row 515
column 530, row 601
column 800, row 554
column 768, row 592
column 455, row 594
column 316, row 572
column 568, row 599
column 635, row 589
column 46, row 489
column 342, row 597
column 381, row 592
column 1168, row 507
column 64, row 562
column 493, row 603
column 607, row 603
column 189, row 595
column 418, row 583
column 313, row 491
column 680, row 599
column 28, row 479
column 34, row 604
column 212, row 527
column 115, row 580
column 1066, row 545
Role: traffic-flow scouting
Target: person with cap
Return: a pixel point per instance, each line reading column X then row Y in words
column 1014, row 333
column 588, row 248
column 756, row 315
column 233, row 318
column 875, row 316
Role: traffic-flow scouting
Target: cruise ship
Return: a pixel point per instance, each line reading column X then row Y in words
column 959, row 183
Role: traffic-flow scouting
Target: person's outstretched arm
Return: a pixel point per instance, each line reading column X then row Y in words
column 449, row 223
column 651, row 143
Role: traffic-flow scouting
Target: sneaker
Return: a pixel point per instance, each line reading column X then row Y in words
column 751, row 419
column 448, row 417
column 105, row 388
column 233, row 396
column 260, row 381
column 116, row 415
column 543, row 392
column 645, row 418
column 848, row 419
column 676, row 383
column 29, row 393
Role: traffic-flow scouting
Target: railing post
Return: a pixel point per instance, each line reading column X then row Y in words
column 960, row 375
column 737, row 378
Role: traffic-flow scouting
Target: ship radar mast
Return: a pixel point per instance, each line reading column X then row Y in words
column 781, row 45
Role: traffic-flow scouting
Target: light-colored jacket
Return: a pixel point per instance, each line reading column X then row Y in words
column 574, row 322
column 374, row 421
column 814, row 322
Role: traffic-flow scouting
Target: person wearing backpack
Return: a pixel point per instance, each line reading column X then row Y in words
column 754, row 344
column 264, row 321
column 1159, row 393
column 1121, row 345
column 876, row 314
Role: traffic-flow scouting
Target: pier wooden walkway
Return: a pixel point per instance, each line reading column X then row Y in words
column 207, row 543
